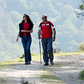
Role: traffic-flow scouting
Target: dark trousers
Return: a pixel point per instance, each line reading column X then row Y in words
column 47, row 49
column 26, row 42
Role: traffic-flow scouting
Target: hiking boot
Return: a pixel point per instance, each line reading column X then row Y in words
column 26, row 63
column 46, row 64
column 29, row 63
column 52, row 63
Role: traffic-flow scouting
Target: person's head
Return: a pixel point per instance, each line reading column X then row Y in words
column 26, row 18
column 44, row 18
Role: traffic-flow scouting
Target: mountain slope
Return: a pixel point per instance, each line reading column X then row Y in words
column 61, row 13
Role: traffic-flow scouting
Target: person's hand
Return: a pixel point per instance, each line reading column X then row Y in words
column 23, row 31
column 39, row 37
column 53, row 39
column 17, row 39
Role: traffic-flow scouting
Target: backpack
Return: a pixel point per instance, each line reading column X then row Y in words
column 50, row 27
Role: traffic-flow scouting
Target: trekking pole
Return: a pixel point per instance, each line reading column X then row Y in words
column 40, row 51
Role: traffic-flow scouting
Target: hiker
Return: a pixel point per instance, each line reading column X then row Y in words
column 25, row 30
column 47, row 28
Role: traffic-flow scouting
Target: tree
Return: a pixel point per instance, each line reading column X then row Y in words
column 80, row 9
column 81, row 47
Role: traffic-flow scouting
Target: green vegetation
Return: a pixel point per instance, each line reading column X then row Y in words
column 16, row 61
column 23, row 56
column 82, row 7
column 7, row 40
column 57, row 64
column 68, row 53
column 7, row 64
column 34, row 58
column 10, row 63
column 47, row 75
column 50, row 79
column 2, row 81
column 25, row 82
column 82, row 74
column 81, row 47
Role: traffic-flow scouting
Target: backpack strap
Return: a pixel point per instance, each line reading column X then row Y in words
column 41, row 25
column 50, row 24
column 50, row 27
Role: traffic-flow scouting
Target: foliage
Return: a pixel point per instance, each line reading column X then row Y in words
column 25, row 82
column 82, row 7
column 65, row 26
column 2, row 81
column 24, row 56
column 10, row 63
column 34, row 58
column 68, row 53
column 50, row 78
column 82, row 74
column 81, row 47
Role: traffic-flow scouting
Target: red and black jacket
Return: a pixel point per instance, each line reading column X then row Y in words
column 21, row 28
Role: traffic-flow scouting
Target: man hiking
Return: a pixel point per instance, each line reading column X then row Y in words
column 47, row 28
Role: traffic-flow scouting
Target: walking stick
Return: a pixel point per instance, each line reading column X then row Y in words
column 40, row 51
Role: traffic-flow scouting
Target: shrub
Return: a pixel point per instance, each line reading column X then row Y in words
column 81, row 47
column 24, row 56
column 82, row 74
column 82, row 7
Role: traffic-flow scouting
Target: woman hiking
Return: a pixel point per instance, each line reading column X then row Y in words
column 25, row 30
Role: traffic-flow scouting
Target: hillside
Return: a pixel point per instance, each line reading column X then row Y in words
column 61, row 13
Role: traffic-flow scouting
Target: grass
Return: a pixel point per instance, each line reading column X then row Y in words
column 2, row 81
column 68, row 53
column 50, row 79
column 13, row 62
column 34, row 57
column 7, row 64
column 10, row 63
column 37, row 57
column 57, row 64
column 25, row 82
column 47, row 75
column 82, row 74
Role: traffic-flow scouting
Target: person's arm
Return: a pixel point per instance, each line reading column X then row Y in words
column 27, row 31
column 18, row 37
column 39, row 32
column 54, row 34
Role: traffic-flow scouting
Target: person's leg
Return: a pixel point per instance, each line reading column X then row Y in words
column 50, row 49
column 45, row 55
column 24, row 46
column 28, row 50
